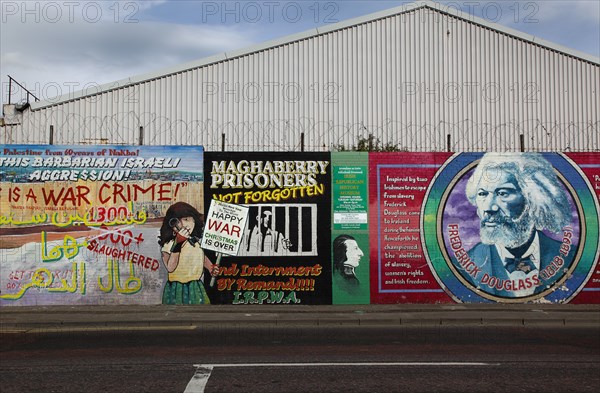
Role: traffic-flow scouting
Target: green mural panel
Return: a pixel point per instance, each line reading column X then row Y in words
column 350, row 234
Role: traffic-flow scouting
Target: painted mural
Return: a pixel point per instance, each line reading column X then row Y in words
column 108, row 224
column 494, row 227
column 350, row 230
column 284, row 255
column 86, row 224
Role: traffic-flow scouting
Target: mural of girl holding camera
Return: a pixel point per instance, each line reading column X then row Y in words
column 182, row 256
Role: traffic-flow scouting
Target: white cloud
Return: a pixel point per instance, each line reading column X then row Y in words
column 64, row 54
column 59, row 55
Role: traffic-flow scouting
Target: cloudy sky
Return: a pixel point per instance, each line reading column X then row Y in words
column 57, row 47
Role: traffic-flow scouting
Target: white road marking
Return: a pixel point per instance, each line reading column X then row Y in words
column 198, row 382
column 95, row 329
column 347, row 364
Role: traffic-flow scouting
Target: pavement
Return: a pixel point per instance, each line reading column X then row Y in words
column 127, row 317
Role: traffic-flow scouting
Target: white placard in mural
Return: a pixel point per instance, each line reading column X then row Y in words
column 224, row 227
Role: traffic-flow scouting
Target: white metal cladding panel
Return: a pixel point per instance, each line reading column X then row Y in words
column 411, row 80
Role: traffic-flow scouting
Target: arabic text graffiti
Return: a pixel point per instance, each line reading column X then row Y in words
column 43, row 278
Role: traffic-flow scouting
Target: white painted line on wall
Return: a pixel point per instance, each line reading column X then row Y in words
column 198, row 382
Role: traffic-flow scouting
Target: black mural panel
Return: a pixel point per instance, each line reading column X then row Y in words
column 284, row 257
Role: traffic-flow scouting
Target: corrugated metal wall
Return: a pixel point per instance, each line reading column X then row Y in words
column 421, row 80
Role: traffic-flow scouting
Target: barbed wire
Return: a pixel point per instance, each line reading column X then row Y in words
column 304, row 133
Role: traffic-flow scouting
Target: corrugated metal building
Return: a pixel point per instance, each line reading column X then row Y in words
column 423, row 77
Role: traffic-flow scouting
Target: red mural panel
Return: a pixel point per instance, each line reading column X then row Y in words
column 589, row 165
column 398, row 184
column 484, row 227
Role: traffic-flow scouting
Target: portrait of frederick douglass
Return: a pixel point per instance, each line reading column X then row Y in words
column 524, row 218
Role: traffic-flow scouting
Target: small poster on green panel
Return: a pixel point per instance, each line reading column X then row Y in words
column 350, row 235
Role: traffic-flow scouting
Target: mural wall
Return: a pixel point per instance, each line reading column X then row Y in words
column 81, row 224
column 494, row 227
column 131, row 225
column 284, row 256
column 350, row 230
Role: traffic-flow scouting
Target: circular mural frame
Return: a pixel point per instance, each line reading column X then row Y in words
column 450, row 182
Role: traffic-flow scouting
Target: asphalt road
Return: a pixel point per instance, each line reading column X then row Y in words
column 242, row 358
